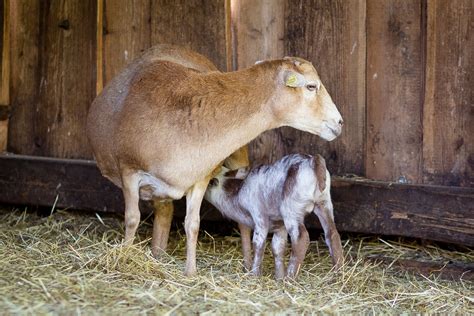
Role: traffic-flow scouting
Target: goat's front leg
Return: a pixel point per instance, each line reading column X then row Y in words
column 245, row 235
column 278, row 248
column 161, row 226
column 299, row 245
column 259, row 237
column 191, row 223
column 130, row 183
column 324, row 211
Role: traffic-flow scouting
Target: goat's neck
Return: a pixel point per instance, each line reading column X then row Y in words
column 239, row 105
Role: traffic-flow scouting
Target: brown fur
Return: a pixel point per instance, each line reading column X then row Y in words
column 290, row 180
column 232, row 186
column 320, row 171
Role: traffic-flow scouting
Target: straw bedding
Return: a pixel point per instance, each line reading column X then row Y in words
column 72, row 263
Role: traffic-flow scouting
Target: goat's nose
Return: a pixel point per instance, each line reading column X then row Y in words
column 341, row 122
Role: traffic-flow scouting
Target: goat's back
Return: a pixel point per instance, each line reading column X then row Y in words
column 105, row 122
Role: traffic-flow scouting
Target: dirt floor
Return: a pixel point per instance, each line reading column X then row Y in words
column 72, row 263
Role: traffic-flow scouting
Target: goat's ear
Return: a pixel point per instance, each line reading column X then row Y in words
column 295, row 61
column 320, row 172
column 294, row 79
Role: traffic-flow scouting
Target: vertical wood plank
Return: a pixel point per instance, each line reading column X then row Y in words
column 48, row 118
column 5, row 53
column 68, row 66
column 199, row 25
column 228, row 36
column 331, row 34
column 5, row 72
column 448, row 118
column 99, row 81
column 259, row 34
column 25, row 75
column 394, row 90
column 127, row 33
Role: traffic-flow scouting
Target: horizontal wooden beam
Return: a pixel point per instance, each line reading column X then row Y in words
column 422, row 211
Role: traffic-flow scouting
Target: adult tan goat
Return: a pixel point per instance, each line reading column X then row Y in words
column 160, row 128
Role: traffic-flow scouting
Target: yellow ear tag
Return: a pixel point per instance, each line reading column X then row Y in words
column 291, row 81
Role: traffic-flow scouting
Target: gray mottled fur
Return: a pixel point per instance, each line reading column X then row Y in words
column 276, row 198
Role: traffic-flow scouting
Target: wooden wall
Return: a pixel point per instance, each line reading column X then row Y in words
column 400, row 72
column 64, row 51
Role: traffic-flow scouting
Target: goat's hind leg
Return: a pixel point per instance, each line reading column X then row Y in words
column 278, row 248
column 259, row 238
column 161, row 226
column 130, row 184
column 246, row 236
column 333, row 240
column 299, row 245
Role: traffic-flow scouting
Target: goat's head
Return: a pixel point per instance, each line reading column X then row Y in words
column 302, row 101
column 225, row 182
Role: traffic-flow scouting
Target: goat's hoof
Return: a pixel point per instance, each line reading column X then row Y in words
column 190, row 272
column 247, row 268
column 255, row 273
column 279, row 277
column 158, row 253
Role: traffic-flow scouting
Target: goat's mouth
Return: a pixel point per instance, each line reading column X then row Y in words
column 336, row 131
column 213, row 182
column 330, row 133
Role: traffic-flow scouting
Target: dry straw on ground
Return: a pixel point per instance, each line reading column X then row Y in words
column 71, row 263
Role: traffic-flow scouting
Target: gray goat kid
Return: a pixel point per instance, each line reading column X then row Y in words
column 276, row 198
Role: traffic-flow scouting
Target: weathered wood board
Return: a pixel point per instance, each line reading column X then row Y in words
column 4, row 72
column 126, row 31
column 394, row 90
column 448, row 113
column 5, row 52
column 258, row 34
column 199, row 25
column 360, row 205
column 273, row 29
column 25, row 75
column 53, row 76
column 331, row 34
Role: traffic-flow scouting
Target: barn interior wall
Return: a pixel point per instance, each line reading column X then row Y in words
column 399, row 71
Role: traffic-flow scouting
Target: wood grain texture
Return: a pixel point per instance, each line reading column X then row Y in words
column 5, row 52
column 394, row 90
column 331, row 34
column 259, row 34
column 25, row 75
column 3, row 135
column 99, row 80
column 4, row 71
column 126, row 33
column 448, row 118
column 2, row 22
column 197, row 24
column 55, row 111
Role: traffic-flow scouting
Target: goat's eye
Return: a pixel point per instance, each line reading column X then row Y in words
column 312, row 87
column 214, row 182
